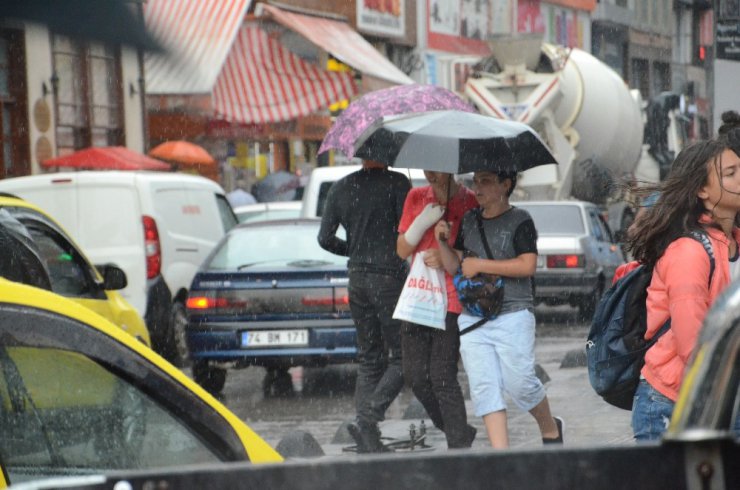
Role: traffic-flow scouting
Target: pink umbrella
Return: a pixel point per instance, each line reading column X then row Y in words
column 401, row 99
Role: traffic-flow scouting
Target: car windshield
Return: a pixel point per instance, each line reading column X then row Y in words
column 555, row 219
column 283, row 244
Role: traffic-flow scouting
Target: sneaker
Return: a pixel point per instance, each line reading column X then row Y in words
column 561, row 428
column 471, row 433
column 367, row 438
column 465, row 440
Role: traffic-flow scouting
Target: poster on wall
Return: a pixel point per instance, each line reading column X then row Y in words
column 444, row 17
column 463, row 26
column 529, row 17
column 566, row 27
column 500, row 17
column 382, row 16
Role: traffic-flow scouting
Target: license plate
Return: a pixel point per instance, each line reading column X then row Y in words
column 271, row 338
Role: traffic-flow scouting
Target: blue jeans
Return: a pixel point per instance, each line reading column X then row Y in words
column 651, row 412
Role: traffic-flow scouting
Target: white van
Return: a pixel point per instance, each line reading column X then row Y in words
column 157, row 227
column 322, row 178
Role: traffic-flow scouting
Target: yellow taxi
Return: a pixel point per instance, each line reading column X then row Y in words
column 80, row 397
column 71, row 273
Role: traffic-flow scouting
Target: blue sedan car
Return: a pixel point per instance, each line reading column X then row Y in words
column 268, row 295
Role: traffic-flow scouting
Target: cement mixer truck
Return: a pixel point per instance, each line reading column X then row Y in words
column 583, row 110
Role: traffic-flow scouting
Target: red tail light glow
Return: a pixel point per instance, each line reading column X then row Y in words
column 565, row 261
column 152, row 248
column 211, row 302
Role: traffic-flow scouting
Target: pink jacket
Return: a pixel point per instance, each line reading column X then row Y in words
column 680, row 290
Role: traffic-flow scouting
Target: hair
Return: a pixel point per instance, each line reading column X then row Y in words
column 502, row 176
column 678, row 209
column 729, row 131
column 730, row 121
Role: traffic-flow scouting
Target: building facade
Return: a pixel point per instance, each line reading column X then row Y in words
column 59, row 94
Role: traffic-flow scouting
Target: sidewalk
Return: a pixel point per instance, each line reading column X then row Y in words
column 588, row 419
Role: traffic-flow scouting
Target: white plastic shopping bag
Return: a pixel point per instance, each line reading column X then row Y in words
column 423, row 299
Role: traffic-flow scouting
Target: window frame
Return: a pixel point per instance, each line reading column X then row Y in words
column 83, row 130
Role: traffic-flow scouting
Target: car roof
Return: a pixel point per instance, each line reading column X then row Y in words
column 553, row 203
column 278, row 222
column 269, row 206
column 105, row 176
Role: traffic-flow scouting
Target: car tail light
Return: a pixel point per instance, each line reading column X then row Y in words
column 565, row 261
column 212, row 300
column 340, row 299
column 152, row 248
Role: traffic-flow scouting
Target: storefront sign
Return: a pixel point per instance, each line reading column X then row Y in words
column 463, row 26
column 382, row 16
column 728, row 40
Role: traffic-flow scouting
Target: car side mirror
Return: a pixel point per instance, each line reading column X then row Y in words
column 113, row 277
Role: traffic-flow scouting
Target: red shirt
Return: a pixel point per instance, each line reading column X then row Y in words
column 416, row 200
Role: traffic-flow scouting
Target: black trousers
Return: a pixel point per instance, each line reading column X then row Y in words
column 430, row 359
column 372, row 299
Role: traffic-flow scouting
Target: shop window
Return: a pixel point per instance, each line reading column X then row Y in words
column 88, row 95
column 14, row 146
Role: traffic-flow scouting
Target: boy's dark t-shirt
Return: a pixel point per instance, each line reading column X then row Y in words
column 368, row 204
column 509, row 235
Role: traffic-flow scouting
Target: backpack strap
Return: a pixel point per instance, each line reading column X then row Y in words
column 703, row 238
column 479, row 219
column 477, row 324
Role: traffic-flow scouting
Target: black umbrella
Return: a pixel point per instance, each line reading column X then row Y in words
column 108, row 21
column 453, row 142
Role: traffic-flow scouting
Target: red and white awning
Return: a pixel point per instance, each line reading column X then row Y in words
column 261, row 82
column 198, row 35
column 339, row 39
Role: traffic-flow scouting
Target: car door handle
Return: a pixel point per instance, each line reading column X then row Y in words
column 186, row 249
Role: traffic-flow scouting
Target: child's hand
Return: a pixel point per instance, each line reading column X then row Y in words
column 432, row 258
column 471, row 266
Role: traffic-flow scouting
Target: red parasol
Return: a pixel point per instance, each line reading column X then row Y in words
column 107, row 158
column 183, row 153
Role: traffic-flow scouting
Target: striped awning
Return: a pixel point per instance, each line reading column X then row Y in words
column 339, row 39
column 198, row 35
column 261, row 82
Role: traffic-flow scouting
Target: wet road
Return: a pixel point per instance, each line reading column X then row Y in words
column 322, row 399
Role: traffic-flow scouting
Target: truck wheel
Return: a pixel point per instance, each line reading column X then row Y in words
column 178, row 351
column 211, row 378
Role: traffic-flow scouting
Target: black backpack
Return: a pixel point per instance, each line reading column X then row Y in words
column 616, row 345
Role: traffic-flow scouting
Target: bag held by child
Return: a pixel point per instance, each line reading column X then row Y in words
column 423, row 299
column 616, row 345
column 483, row 294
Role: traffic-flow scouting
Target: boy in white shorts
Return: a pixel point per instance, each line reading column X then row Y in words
column 498, row 354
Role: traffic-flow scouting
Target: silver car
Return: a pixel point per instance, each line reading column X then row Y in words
column 577, row 254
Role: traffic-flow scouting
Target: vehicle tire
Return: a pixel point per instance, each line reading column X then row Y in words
column 587, row 305
column 277, row 383
column 211, row 378
column 178, row 352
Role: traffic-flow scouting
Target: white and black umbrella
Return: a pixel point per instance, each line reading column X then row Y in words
column 453, row 142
